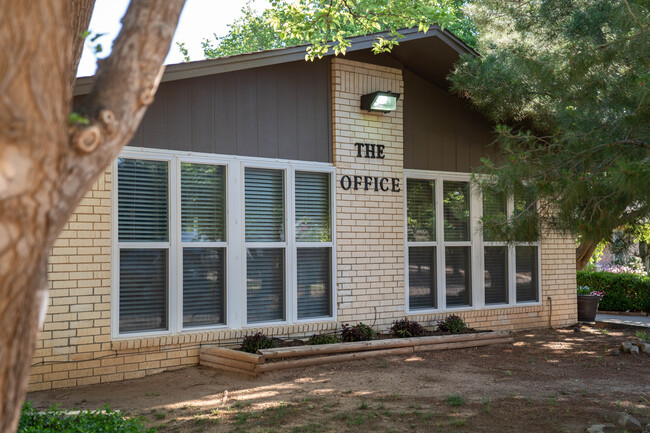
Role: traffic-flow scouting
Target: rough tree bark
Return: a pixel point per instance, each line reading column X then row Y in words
column 46, row 165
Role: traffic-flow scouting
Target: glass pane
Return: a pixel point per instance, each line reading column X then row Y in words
column 313, row 207
column 421, row 211
column 525, row 206
column 314, row 286
column 143, row 290
column 265, row 284
column 203, row 203
column 496, row 275
column 142, row 200
column 457, row 276
column 456, row 210
column 264, row 205
column 422, row 278
column 204, row 276
column 526, row 274
column 494, row 215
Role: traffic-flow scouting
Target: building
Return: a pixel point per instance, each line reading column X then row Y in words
column 258, row 195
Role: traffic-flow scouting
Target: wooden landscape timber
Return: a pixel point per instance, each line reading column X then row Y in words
column 235, row 361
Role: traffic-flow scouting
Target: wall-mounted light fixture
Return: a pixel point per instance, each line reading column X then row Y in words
column 380, row 101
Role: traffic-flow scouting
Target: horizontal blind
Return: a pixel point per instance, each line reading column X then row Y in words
column 496, row 275
column 264, row 198
column 143, row 290
column 421, row 213
column 422, row 278
column 526, row 273
column 204, row 276
column 264, row 284
column 456, row 210
column 203, row 202
column 457, row 276
column 313, row 207
column 143, row 211
column 525, row 211
column 314, row 282
column 494, row 215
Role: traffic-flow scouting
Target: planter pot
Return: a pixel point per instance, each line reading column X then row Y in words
column 588, row 307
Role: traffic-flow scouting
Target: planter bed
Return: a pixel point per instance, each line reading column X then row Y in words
column 235, row 361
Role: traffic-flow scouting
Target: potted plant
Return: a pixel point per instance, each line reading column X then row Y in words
column 588, row 301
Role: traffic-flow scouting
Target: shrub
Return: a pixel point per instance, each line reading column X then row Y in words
column 453, row 324
column 323, row 339
column 56, row 420
column 358, row 332
column 405, row 328
column 623, row 292
column 255, row 342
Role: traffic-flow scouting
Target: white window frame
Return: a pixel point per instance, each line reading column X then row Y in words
column 476, row 244
column 235, row 244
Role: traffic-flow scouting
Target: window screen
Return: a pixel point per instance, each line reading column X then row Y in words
column 456, row 210
column 494, row 216
column 314, row 282
column 526, row 273
column 203, row 203
column 422, row 278
column 457, row 276
column 143, row 211
column 421, row 214
column 264, row 205
column 496, row 275
column 265, row 284
column 313, row 207
column 204, row 272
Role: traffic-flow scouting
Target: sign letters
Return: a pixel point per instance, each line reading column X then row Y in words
column 370, row 183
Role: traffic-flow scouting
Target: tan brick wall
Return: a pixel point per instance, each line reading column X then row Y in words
column 75, row 347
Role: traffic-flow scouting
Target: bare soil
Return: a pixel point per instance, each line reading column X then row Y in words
column 546, row 381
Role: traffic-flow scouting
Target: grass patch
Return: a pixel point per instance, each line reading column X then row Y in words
column 455, row 400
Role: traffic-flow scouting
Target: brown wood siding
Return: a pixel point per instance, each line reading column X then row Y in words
column 441, row 132
column 280, row 111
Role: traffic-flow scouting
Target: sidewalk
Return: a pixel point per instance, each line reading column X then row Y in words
column 640, row 321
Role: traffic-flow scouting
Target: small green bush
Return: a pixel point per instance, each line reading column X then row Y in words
column 623, row 292
column 323, row 339
column 405, row 328
column 453, row 324
column 358, row 332
column 55, row 420
column 255, row 342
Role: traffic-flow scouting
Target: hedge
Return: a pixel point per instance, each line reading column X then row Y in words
column 623, row 292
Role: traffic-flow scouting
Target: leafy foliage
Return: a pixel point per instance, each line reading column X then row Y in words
column 623, row 292
column 405, row 328
column 325, row 25
column 56, row 420
column 255, row 342
column 323, row 339
column 453, row 324
column 570, row 80
column 358, row 332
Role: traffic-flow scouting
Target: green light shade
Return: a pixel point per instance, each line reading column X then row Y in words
column 380, row 101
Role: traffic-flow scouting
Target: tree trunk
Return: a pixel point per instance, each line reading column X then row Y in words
column 584, row 252
column 46, row 165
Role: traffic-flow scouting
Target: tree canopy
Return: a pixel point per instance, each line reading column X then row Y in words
column 567, row 83
column 324, row 25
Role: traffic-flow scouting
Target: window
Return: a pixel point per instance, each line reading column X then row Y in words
column 203, row 243
column 450, row 262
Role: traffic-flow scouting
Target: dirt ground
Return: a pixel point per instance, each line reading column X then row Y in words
column 546, row 381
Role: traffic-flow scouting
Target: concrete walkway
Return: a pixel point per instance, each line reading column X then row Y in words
column 640, row 321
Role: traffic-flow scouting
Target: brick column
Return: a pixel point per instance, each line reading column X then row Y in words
column 370, row 224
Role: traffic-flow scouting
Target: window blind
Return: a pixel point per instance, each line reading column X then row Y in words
column 265, row 284
column 526, row 273
column 314, row 282
column 204, row 273
column 312, row 193
column 494, row 212
column 264, row 198
column 420, row 205
column 457, row 276
column 496, row 275
column 456, row 210
column 203, row 202
column 422, row 278
column 143, row 213
column 143, row 290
